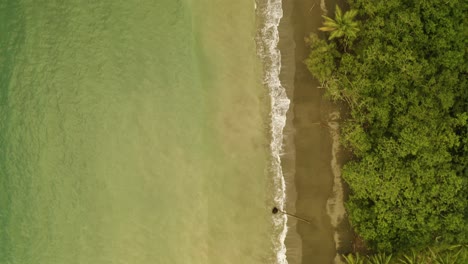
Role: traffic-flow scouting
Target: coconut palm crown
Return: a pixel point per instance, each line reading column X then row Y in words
column 342, row 25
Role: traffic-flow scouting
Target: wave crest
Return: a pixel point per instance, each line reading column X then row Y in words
column 270, row 13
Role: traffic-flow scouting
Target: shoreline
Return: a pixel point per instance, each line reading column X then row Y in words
column 269, row 14
column 287, row 45
column 312, row 157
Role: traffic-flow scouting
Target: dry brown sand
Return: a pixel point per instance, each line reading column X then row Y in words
column 312, row 159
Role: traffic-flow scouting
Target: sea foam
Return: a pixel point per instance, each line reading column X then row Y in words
column 270, row 13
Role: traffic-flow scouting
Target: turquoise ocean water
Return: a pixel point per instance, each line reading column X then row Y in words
column 136, row 132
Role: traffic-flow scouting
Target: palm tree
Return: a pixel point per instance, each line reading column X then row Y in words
column 354, row 259
column 449, row 256
column 414, row 258
column 381, row 258
column 342, row 25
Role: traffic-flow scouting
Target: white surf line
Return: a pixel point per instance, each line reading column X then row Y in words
column 267, row 41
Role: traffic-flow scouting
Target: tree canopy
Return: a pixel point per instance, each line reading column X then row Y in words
column 405, row 81
column 342, row 26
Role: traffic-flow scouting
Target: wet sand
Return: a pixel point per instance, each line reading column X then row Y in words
column 312, row 158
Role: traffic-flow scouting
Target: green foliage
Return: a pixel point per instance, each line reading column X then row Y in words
column 321, row 60
column 413, row 258
column 405, row 81
column 354, row 259
column 456, row 254
column 451, row 255
column 343, row 26
column 380, row 258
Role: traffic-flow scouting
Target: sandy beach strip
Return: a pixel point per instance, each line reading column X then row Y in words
column 312, row 157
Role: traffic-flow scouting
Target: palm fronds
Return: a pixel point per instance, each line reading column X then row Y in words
column 354, row 259
column 455, row 254
column 342, row 26
column 410, row 259
column 380, row 258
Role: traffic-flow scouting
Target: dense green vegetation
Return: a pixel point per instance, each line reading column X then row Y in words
column 457, row 254
column 342, row 26
column 404, row 76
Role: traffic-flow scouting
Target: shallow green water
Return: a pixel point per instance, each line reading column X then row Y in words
column 132, row 132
